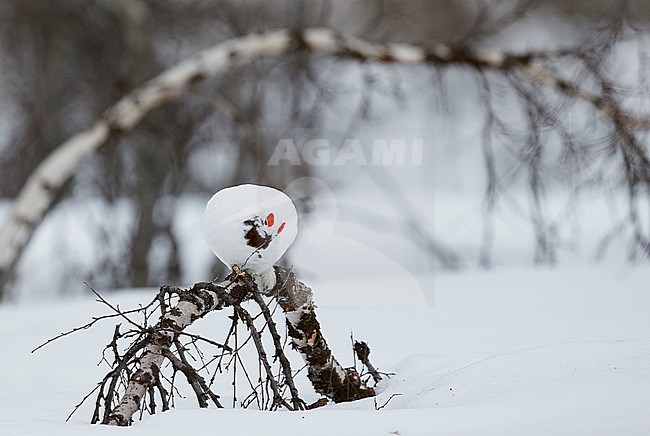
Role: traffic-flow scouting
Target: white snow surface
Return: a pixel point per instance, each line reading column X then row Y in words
column 224, row 225
column 510, row 352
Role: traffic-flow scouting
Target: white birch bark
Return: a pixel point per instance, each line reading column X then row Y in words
column 326, row 374
column 41, row 188
column 194, row 304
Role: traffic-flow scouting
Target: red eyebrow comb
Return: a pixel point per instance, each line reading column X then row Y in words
column 270, row 219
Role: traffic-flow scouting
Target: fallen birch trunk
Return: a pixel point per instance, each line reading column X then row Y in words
column 202, row 299
column 326, row 374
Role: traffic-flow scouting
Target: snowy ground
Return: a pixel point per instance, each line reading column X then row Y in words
column 514, row 351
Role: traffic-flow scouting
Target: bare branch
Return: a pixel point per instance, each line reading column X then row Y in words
column 362, row 351
column 40, row 190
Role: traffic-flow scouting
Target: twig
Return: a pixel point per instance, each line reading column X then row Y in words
column 83, row 400
column 362, row 350
column 116, row 309
column 297, row 402
column 92, row 323
column 204, row 339
column 257, row 340
column 386, row 403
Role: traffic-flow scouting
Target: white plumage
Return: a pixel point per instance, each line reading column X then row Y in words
column 251, row 226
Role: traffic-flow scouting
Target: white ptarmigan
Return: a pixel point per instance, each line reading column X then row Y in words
column 250, row 226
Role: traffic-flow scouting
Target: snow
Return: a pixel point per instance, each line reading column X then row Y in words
column 513, row 351
column 234, row 213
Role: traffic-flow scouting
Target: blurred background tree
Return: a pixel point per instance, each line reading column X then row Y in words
column 64, row 62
